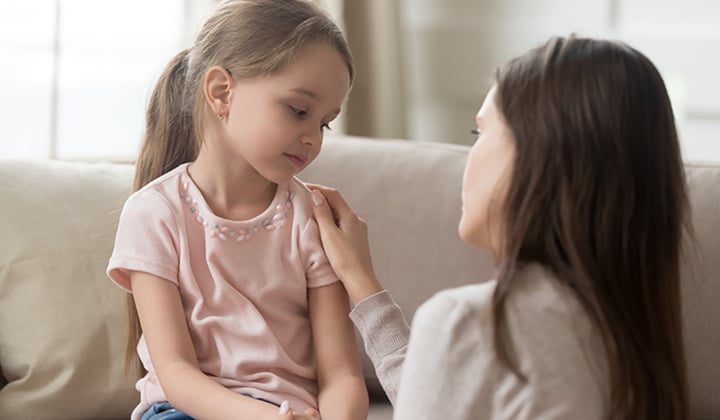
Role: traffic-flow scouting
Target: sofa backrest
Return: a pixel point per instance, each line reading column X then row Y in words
column 701, row 291
column 62, row 325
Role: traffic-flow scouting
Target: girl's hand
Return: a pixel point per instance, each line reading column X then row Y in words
column 287, row 414
column 345, row 239
column 309, row 414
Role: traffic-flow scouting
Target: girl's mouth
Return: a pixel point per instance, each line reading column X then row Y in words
column 299, row 160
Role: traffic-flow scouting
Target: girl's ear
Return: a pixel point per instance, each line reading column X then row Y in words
column 216, row 86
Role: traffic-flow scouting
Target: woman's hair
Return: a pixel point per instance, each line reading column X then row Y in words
column 249, row 38
column 597, row 194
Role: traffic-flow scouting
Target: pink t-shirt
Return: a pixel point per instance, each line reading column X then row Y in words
column 243, row 285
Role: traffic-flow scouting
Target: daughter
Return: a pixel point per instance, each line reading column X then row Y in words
column 218, row 244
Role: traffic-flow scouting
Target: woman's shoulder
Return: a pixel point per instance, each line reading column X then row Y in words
column 465, row 308
column 472, row 297
column 556, row 345
column 542, row 312
column 538, row 295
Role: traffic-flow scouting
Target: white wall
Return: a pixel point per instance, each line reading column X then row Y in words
column 452, row 46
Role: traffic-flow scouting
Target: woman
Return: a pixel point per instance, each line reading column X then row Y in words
column 576, row 185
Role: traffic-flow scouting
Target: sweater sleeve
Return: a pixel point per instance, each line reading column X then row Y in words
column 385, row 332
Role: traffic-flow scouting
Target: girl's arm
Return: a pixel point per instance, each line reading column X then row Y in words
column 379, row 320
column 342, row 392
column 173, row 355
column 344, row 236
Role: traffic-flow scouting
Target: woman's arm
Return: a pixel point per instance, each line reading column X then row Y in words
column 342, row 392
column 379, row 320
column 173, row 356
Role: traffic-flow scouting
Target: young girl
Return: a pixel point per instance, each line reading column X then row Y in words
column 218, row 244
column 576, row 185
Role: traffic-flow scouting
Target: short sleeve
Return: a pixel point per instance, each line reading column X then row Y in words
column 317, row 267
column 145, row 240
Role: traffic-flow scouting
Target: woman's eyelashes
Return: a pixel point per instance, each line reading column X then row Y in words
column 475, row 132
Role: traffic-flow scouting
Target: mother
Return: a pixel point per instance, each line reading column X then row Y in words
column 576, row 185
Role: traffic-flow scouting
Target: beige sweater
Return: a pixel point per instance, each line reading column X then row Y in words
column 448, row 369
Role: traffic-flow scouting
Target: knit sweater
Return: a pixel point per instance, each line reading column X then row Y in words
column 446, row 366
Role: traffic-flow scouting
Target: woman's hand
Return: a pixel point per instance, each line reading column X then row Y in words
column 344, row 237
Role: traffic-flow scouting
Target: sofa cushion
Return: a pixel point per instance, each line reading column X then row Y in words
column 61, row 323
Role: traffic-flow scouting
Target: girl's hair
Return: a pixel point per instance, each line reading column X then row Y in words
column 597, row 194
column 249, row 38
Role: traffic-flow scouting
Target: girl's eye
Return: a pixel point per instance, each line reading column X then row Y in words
column 297, row 111
column 324, row 127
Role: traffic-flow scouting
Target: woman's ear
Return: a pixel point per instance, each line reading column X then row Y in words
column 217, row 86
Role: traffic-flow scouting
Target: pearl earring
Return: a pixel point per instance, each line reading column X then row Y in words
column 220, row 115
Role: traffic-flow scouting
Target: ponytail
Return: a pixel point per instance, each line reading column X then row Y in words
column 169, row 135
column 169, row 142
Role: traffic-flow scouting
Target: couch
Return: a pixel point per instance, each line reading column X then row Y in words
column 62, row 320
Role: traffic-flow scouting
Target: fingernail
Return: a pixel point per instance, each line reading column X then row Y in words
column 317, row 197
column 284, row 407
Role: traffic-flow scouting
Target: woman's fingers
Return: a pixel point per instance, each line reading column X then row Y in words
column 345, row 238
column 338, row 206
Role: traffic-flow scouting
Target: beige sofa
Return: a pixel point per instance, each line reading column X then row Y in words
column 61, row 319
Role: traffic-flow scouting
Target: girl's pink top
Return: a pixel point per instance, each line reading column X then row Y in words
column 243, row 285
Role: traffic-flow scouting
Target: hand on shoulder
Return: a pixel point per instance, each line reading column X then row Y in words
column 345, row 238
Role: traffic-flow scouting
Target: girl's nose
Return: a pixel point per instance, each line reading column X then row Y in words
column 312, row 138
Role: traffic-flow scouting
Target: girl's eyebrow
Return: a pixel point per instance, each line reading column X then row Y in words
column 305, row 92
column 311, row 95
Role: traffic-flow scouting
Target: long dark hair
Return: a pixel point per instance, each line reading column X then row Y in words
column 597, row 194
column 250, row 38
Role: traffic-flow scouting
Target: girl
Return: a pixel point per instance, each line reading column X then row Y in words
column 218, row 245
column 576, row 185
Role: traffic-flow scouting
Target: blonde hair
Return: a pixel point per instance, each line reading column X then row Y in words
column 249, row 38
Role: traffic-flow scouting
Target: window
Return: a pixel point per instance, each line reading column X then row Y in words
column 77, row 73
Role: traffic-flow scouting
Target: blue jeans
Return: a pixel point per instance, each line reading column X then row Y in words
column 165, row 411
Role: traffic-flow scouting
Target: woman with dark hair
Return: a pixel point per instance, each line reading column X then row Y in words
column 576, row 185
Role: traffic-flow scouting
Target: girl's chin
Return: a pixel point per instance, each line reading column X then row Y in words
column 464, row 232
column 473, row 236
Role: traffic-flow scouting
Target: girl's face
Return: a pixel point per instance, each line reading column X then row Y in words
column 485, row 181
column 275, row 124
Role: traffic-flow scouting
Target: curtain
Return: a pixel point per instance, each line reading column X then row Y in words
column 375, row 105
